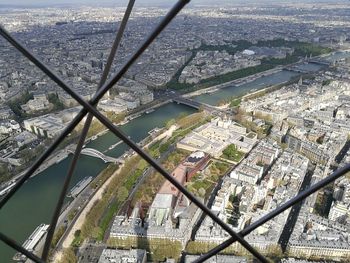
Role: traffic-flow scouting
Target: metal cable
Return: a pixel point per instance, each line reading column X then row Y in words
column 90, row 107
column 94, row 100
column 83, row 135
column 12, row 243
column 295, row 200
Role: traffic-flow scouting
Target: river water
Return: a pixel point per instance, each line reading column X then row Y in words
column 338, row 55
column 33, row 204
column 259, row 83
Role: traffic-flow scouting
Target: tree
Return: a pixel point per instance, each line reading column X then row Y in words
column 97, row 233
column 58, row 234
column 122, row 194
column 232, row 153
column 26, row 155
column 326, row 82
column 182, row 115
column 53, row 98
column 77, row 233
column 169, row 123
column 5, row 173
column 201, row 192
column 164, row 147
column 69, row 256
column 230, row 150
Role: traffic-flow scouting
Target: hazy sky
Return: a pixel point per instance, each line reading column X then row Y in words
column 142, row 2
column 121, row 2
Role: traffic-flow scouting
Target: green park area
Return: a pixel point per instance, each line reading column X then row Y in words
column 149, row 188
column 104, row 210
column 203, row 183
column 232, row 153
column 235, row 102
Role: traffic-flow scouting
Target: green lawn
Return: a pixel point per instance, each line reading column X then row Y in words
column 202, row 185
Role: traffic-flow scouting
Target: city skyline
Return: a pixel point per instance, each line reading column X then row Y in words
column 44, row 3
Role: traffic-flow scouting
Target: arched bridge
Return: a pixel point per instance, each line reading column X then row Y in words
column 194, row 104
column 95, row 153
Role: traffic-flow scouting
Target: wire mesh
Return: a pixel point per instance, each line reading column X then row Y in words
column 89, row 108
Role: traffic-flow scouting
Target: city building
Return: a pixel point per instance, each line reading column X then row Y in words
column 215, row 136
column 123, row 256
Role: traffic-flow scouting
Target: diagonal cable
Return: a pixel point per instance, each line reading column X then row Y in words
column 84, row 132
column 298, row 198
column 12, row 243
column 178, row 6
column 165, row 21
column 119, row 133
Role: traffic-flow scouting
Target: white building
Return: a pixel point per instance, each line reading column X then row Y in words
column 214, row 137
column 38, row 103
column 116, row 105
column 9, row 126
column 45, row 126
column 131, row 101
column 248, row 52
column 248, row 172
column 123, row 256
column 338, row 212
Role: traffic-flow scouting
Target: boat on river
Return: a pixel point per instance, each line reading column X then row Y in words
column 32, row 241
column 80, row 186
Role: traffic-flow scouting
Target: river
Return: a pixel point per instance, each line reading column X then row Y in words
column 338, row 55
column 33, row 204
column 259, row 83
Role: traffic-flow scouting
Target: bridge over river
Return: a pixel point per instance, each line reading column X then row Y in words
column 195, row 104
column 95, row 153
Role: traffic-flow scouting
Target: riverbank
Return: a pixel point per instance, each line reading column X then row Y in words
column 266, row 90
column 237, row 82
column 81, row 218
column 244, row 80
column 79, row 221
column 44, row 188
column 64, row 153
column 139, row 112
column 58, row 157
